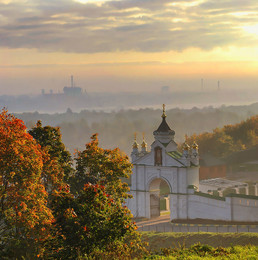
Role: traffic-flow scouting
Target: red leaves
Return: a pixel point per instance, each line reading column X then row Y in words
column 24, row 199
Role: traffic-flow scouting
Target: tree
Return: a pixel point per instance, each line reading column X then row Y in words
column 25, row 217
column 106, row 167
column 50, row 139
column 93, row 223
column 231, row 138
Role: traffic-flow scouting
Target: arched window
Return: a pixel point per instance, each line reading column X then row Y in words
column 158, row 156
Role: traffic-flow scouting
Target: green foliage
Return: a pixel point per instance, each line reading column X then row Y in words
column 199, row 251
column 103, row 166
column 93, row 224
column 158, row 240
column 50, row 138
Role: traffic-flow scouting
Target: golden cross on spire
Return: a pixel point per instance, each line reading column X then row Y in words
column 144, row 144
column 135, row 145
column 164, row 114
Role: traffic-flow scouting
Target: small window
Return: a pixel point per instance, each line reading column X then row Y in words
column 247, row 202
column 158, row 156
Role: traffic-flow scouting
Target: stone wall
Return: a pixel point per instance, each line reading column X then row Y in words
column 208, row 208
column 244, row 208
column 196, row 205
column 239, row 208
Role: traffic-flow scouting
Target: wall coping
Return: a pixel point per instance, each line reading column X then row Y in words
column 243, row 196
column 198, row 193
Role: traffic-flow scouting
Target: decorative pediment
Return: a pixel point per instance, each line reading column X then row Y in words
column 146, row 159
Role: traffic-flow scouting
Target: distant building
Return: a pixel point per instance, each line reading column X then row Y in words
column 72, row 90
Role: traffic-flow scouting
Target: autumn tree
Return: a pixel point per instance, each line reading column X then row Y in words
column 94, row 222
column 24, row 216
column 105, row 167
column 228, row 139
column 59, row 161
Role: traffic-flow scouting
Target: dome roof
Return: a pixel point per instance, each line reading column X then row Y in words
column 164, row 127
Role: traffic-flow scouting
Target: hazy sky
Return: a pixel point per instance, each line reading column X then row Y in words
column 127, row 44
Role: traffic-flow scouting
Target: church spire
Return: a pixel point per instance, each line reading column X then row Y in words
column 144, row 144
column 135, row 151
column 164, row 127
column 135, row 144
column 186, row 148
column 164, row 113
column 164, row 133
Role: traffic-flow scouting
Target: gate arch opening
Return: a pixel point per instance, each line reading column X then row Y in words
column 159, row 190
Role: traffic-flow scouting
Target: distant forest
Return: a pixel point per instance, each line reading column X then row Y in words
column 116, row 129
column 224, row 141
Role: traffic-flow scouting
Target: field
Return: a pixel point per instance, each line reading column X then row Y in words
column 199, row 251
column 202, row 245
column 165, row 240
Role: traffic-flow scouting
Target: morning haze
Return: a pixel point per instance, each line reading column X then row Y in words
column 128, row 45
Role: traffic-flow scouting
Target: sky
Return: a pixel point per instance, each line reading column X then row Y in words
column 127, row 45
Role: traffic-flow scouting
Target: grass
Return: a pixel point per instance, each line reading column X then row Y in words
column 199, row 251
column 166, row 240
column 201, row 245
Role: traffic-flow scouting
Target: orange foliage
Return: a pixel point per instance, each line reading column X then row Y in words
column 23, row 199
column 231, row 138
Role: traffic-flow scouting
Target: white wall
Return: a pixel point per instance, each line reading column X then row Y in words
column 244, row 209
column 139, row 205
column 208, row 208
column 194, row 206
column 193, row 176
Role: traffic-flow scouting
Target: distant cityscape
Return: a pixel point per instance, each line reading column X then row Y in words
column 77, row 98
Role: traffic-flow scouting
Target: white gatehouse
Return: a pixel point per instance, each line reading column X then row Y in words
column 165, row 177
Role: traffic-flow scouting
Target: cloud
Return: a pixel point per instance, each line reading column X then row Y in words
column 123, row 25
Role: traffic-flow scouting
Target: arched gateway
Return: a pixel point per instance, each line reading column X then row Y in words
column 159, row 190
column 162, row 168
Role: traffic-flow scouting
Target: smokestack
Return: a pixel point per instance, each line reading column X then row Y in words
column 72, row 81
